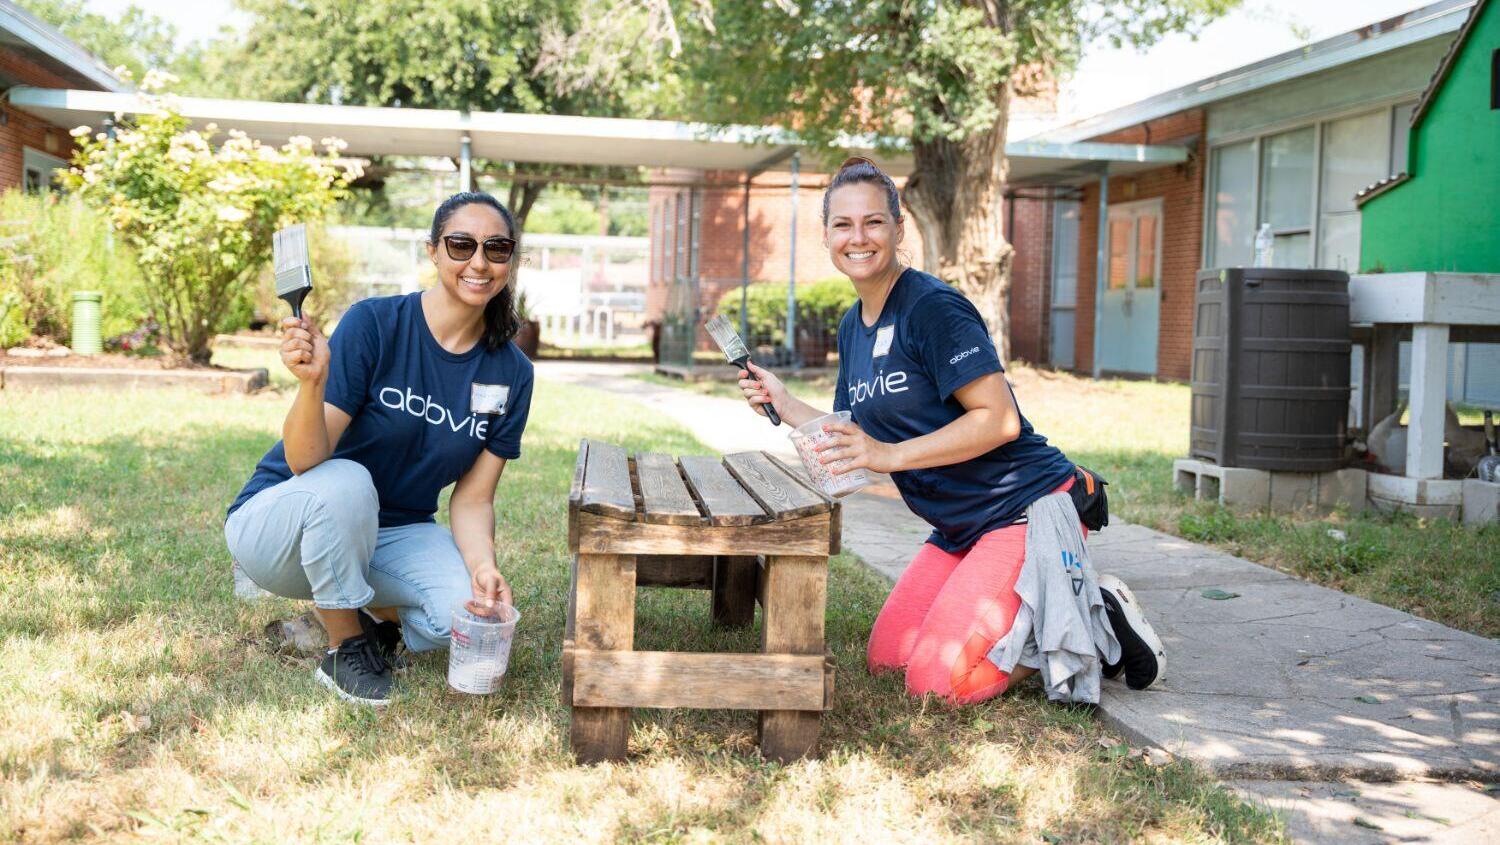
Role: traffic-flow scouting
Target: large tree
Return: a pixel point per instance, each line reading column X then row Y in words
column 935, row 77
column 136, row 40
column 533, row 56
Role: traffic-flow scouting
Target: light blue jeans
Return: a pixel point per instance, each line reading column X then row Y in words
column 317, row 536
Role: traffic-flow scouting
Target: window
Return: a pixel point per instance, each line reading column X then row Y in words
column 1119, row 253
column 39, row 170
column 1145, row 253
column 1233, row 221
column 1400, row 136
column 1286, row 175
column 1354, row 156
column 1302, row 182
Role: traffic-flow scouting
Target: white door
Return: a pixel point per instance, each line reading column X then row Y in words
column 1130, row 305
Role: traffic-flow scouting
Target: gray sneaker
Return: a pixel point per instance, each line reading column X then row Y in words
column 387, row 638
column 356, row 672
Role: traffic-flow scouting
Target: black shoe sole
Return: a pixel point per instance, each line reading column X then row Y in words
column 1142, row 657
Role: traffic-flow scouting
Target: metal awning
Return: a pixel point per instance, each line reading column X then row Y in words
column 557, row 139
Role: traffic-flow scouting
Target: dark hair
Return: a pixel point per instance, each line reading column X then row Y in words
column 501, row 322
column 857, row 169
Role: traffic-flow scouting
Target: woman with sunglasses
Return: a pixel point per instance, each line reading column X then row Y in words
column 932, row 407
column 412, row 393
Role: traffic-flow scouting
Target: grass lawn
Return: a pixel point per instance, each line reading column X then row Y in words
column 1130, row 432
column 136, row 702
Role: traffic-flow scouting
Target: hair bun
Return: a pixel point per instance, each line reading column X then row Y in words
column 852, row 161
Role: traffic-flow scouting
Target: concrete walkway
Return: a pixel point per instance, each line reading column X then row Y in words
column 1297, row 695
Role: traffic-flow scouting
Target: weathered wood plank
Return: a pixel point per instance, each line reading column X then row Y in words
column 693, row 679
column 795, row 592
column 603, row 535
column 723, row 499
column 575, row 494
column 735, row 583
column 604, row 620
column 695, row 572
column 606, row 482
column 798, row 474
column 665, row 496
column 781, row 495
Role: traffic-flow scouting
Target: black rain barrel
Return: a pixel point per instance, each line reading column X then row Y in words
column 1271, row 368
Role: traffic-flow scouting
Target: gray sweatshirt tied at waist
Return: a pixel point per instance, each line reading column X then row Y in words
column 1062, row 628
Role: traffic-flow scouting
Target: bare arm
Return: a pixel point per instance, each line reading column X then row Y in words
column 990, row 419
column 471, row 512
column 761, row 387
column 312, row 428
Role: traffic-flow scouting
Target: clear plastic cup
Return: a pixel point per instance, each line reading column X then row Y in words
column 806, row 438
column 480, row 648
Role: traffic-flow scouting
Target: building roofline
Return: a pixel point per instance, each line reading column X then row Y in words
column 376, row 130
column 47, row 39
column 1431, row 21
column 1446, row 65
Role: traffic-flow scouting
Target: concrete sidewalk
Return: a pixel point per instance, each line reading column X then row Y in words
column 1287, row 689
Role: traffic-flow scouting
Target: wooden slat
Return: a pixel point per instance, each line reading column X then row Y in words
column 606, row 482
column 797, row 474
column 665, row 496
column 723, row 499
column 781, row 495
column 809, row 535
column 694, row 572
column 794, row 593
column 779, row 682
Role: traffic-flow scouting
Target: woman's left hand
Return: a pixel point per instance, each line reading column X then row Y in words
column 863, row 451
column 489, row 589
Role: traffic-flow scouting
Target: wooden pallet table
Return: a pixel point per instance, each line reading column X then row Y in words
column 744, row 527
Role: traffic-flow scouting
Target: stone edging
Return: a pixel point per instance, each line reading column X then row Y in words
column 203, row 381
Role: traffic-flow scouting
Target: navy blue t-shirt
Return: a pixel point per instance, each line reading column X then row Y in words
column 419, row 414
column 898, row 377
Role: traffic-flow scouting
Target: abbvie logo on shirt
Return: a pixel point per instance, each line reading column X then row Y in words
column 423, row 406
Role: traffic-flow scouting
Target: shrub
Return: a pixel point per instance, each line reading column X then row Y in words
column 200, row 218
column 52, row 247
column 820, row 306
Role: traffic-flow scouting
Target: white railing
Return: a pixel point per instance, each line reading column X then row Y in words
column 583, row 289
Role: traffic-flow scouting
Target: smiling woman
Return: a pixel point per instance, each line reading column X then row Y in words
column 411, row 394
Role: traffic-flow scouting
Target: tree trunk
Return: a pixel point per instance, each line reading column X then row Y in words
column 523, row 195
column 956, row 195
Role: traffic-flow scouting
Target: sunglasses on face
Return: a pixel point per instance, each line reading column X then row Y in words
column 497, row 250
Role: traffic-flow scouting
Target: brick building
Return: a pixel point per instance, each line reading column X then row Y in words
column 33, row 53
column 1285, row 142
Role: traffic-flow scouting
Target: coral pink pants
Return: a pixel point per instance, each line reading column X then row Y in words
column 947, row 611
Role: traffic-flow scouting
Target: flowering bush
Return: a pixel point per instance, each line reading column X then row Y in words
column 199, row 218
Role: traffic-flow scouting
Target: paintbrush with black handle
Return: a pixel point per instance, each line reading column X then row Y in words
column 293, row 270
column 738, row 354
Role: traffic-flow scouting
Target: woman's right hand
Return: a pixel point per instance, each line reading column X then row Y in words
column 304, row 350
column 761, row 387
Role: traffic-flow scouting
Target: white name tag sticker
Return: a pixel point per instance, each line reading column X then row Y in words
column 883, row 337
column 488, row 398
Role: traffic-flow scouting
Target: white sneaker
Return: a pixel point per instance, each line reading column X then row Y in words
column 1142, row 657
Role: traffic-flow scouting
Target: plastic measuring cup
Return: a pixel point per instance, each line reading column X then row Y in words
column 806, row 438
column 480, row 648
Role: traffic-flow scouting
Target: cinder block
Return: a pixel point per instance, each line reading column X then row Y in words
column 1343, row 487
column 1293, row 491
column 1245, row 489
column 1185, row 473
column 1481, row 502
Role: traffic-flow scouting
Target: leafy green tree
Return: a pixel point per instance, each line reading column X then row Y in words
column 935, row 77
column 533, row 56
column 137, row 40
column 199, row 217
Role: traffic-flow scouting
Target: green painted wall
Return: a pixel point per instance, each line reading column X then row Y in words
column 1447, row 216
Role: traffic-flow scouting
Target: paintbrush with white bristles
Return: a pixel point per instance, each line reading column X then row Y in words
column 293, row 270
